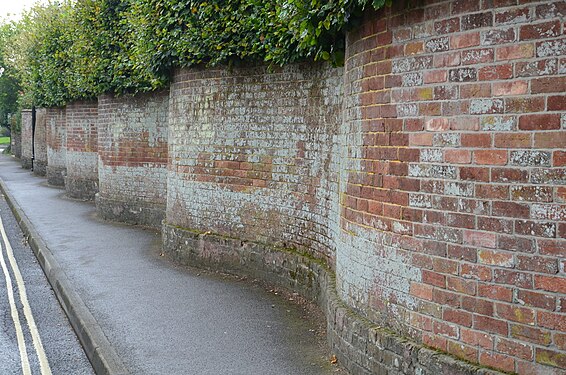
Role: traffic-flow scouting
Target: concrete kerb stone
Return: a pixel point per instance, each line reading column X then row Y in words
column 360, row 346
column 98, row 349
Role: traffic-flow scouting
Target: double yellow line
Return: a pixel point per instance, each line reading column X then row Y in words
column 38, row 346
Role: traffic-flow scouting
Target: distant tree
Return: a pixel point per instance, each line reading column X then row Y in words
column 9, row 82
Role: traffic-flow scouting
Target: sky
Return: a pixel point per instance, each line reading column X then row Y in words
column 11, row 9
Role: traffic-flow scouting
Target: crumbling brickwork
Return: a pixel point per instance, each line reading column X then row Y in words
column 56, row 138
column 454, row 212
column 81, row 181
column 132, row 149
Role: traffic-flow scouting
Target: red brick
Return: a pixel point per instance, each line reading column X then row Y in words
column 459, row 252
column 536, row 299
column 495, row 72
column 498, row 361
column 433, row 278
column 510, row 88
column 445, row 329
column 447, row 26
column 420, row 139
column 513, row 15
column 474, row 173
column 496, row 258
column 490, row 157
column 459, row 317
column 421, row 291
column 480, row 239
column 460, row 285
column 491, row 191
column 475, row 90
column 514, row 348
column 476, row 140
column 540, row 30
column 447, row 298
column 512, row 140
column 475, row 271
column 550, row 283
column 515, row 313
column 497, row 292
column 435, row 76
column 530, row 334
column 478, row 306
column 548, row 85
column 550, row 139
column 551, row 357
column 458, row 156
column 524, row 105
column 552, row 247
column 487, row 324
column 435, row 341
column 515, row 243
column 520, row 279
column 509, row 175
column 556, row 103
column 511, row 209
column 552, row 320
column 477, row 338
column 515, row 51
column 539, row 122
column 465, row 40
column 462, row 351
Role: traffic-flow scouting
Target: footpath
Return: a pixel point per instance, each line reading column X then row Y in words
column 136, row 313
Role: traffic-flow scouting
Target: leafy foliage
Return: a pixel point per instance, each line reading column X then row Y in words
column 9, row 82
column 75, row 50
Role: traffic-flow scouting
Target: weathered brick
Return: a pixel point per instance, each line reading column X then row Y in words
column 540, row 30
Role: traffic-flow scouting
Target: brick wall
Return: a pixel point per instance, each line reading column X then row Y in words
column 132, row 149
column 454, row 210
column 252, row 154
column 40, row 142
column 82, row 145
column 56, row 145
column 26, row 139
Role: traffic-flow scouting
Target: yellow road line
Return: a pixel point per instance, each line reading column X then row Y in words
column 15, row 318
column 43, row 362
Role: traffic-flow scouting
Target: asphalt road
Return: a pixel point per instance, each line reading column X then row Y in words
column 35, row 336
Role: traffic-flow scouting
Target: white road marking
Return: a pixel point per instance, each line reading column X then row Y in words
column 15, row 318
column 43, row 362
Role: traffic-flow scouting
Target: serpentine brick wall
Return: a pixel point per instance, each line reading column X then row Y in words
column 26, row 139
column 82, row 150
column 56, row 145
column 252, row 154
column 455, row 199
column 40, row 142
column 132, row 149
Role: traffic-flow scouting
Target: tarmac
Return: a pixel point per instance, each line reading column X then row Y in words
column 137, row 313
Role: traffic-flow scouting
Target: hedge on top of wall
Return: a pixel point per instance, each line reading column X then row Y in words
column 78, row 50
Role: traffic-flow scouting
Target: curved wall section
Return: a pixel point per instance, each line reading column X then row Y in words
column 81, row 181
column 453, row 216
column 56, row 137
column 132, row 149
column 40, row 143
column 26, row 139
column 253, row 155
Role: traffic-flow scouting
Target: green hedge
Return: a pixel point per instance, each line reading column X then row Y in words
column 81, row 49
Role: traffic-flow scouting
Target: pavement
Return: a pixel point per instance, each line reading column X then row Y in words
column 137, row 313
column 34, row 330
